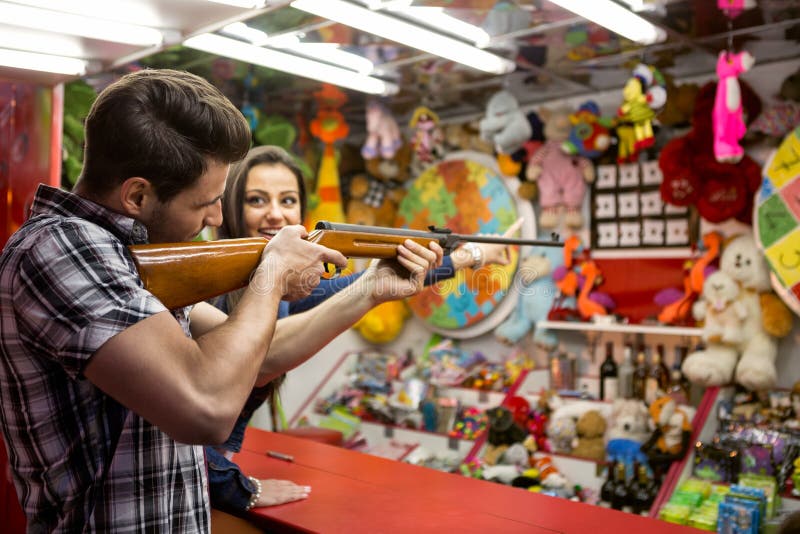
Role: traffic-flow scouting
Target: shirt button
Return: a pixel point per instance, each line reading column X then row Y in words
column 139, row 233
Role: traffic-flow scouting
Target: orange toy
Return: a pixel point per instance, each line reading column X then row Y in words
column 586, row 306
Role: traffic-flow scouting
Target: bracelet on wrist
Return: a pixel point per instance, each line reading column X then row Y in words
column 255, row 496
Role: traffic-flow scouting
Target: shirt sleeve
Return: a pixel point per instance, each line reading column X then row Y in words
column 78, row 287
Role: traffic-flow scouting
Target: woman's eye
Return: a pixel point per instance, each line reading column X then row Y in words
column 255, row 201
column 290, row 201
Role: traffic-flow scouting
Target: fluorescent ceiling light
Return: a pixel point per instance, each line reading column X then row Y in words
column 435, row 17
column 127, row 11
column 42, row 62
column 616, row 18
column 328, row 52
column 17, row 38
column 93, row 28
column 406, row 33
column 241, row 3
column 299, row 66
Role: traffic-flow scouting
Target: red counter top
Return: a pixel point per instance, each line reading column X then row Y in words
column 356, row 492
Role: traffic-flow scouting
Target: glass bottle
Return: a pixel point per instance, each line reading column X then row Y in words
column 657, row 376
column 625, row 374
column 608, row 375
column 641, row 492
column 607, row 489
column 640, row 374
column 678, row 384
column 619, row 496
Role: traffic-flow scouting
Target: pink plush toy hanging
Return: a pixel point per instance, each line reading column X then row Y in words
column 727, row 116
column 383, row 134
column 734, row 8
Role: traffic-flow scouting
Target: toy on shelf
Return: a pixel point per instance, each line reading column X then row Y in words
column 643, row 95
column 676, row 309
column 767, row 318
column 721, row 310
column 672, row 430
column 383, row 134
column 536, row 296
column 376, row 194
column 590, row 429
column 561, row 178
column 783, row 115
column 628, row 430
column 728, row 121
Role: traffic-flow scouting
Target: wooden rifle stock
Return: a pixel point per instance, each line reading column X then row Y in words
column 180, row 274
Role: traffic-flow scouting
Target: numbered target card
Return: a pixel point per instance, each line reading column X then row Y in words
column 777, row 219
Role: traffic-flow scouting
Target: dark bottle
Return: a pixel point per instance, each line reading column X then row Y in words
column 640, row 375
column 657, row 377
column 625, row 375
column 678, row 384
column 608, row 375
column 619, row 496
column 641, row 491
column 607, row 489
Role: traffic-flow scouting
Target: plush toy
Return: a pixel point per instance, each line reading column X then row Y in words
column 721, row 309
column 693, row 176
column 628, row 430
column 503, row 433
column 561, row 179
column 734, row 8
column 383, row 323
column 383, row 134
column 672, row 430
column 644, row 94
column 767, row 318
column 727, row 118
column 561, row 434
column 506, row 127
column 376, row 194
column 590, row 133
column 427, row 143
column 590, row 429
column 536, row 295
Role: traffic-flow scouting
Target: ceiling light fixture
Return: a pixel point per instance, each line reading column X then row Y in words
column 293, row 64
column 400, row 31
column 616, row 18
column 42, row 62
column 436, row 17
column 93, row 28
column 251, row 4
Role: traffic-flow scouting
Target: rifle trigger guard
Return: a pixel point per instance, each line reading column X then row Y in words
column 333, row 270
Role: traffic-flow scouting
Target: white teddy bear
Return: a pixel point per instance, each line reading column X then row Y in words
column 752, row 360
column 721, row 309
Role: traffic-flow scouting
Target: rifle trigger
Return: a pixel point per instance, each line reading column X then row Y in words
column 333, row 270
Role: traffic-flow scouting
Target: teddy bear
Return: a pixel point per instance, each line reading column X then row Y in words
column 721, row 309
column 628, row 430
column 376, row 194
column 751, row 361
column 537, row 291
column 560, row 178
column 672, row 430
column 504, row 432
column 591, row 429
column 727, row 117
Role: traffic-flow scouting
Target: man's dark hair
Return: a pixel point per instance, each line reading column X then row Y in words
column 162, row 125
column 233, row 225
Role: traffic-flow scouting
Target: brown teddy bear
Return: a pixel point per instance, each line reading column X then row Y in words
column 376, row 194
column 591, row 428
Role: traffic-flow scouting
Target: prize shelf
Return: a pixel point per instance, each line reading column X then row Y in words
column 624, row 328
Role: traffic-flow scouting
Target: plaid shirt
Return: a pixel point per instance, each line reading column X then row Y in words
column 81, row 461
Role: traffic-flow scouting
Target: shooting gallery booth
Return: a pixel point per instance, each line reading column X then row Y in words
column 636, row 369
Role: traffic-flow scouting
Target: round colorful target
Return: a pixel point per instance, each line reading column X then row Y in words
column 468, row 197
column 777, row 219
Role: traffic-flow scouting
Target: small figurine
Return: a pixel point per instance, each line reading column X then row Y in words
column 643, row 95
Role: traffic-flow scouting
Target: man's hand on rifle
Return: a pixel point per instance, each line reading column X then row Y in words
column 293, row 264
column 402, row 276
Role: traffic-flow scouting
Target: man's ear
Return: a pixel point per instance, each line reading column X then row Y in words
column 135, row 195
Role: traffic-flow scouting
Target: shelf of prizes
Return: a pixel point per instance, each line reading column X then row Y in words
column 457, row 412
column 740, row 475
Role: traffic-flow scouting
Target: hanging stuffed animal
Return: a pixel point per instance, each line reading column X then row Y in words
column 560, row 177
column 589, row 136
column 427, row 141
column 643, row 95
column 383, row 134
column 507, row 128
column 734, row 8
column 728, row 121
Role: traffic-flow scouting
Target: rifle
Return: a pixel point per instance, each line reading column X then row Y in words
column 180, row 274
